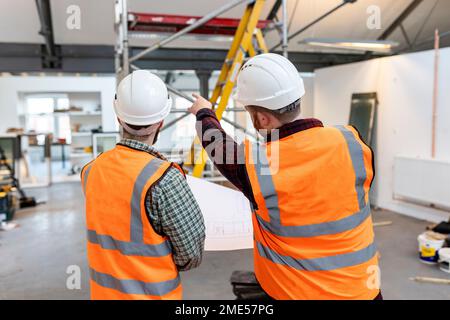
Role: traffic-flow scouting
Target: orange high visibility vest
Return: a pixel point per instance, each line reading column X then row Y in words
column 127, row 258
column 313, row 231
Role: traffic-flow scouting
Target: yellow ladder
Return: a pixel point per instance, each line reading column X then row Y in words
column 242, row 44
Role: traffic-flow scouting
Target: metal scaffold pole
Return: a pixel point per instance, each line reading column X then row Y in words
column 188, row 29
column 241, row 47
column 122, row 63
column 284, row 32
column 124, row 25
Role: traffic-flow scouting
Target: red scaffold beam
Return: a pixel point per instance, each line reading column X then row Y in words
column 166, row 23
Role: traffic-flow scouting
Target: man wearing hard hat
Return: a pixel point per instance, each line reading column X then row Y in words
column 143, row 223
column 308, row 186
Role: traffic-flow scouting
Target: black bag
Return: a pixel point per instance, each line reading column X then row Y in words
column 246, row 287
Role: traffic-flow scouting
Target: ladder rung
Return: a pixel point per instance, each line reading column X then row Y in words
column 229, row 62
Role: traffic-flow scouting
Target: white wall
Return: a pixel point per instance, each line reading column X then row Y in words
column 307, row 104
column 405, row 85
column 12, row 86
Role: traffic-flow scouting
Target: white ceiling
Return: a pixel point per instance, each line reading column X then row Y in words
column 19, row 22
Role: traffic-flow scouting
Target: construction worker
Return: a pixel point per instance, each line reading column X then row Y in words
column 308, row 186
column 143, row 223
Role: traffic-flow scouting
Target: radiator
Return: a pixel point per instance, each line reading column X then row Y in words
column 425, row 181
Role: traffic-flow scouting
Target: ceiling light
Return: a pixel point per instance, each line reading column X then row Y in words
column 383, row 46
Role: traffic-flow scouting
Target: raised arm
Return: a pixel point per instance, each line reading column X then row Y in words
column 227, row 156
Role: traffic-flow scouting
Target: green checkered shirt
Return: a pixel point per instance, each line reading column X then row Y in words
column 174, row 212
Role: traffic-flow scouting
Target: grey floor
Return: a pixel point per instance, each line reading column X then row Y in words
column 34, row 257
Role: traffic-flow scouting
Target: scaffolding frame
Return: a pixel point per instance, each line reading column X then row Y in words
column 124, row 63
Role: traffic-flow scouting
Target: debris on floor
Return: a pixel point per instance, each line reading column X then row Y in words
column 382, row 223
column 430, row 280
column 6, row 226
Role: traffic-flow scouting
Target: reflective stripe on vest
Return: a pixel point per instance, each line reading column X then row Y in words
column 134, row 286
column 129, row 248
column 270, row 196
column 357, row 155
column 319, row 264
column 136, row 221
column 85, row 176
column 319, row 229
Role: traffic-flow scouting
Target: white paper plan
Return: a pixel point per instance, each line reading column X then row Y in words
column 227, row 215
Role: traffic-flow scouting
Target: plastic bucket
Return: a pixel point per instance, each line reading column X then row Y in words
column 444, row 259
column 428, row 248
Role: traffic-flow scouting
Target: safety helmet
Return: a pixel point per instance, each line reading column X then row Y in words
column 270, row 81
column 142, row 99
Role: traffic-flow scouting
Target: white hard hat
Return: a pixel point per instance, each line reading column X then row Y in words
column 270, row 81
column 142, row 99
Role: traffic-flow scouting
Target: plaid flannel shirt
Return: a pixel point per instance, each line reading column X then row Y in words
column 174, row 212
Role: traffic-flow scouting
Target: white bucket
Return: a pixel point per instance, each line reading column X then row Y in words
column 444, row 259
column 428, row 248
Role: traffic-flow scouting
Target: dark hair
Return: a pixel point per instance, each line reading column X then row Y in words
column 285, row 114
column 135, row 127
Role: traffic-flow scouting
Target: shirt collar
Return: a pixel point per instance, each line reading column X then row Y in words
column 295, row 127
column 141, row 146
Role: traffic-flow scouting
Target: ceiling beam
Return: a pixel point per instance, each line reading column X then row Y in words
column 50, row 54
column 100, row 59
column 397, row 23
column 315, row 21
column 399, row 20
column 273, row 12
column 405, row 35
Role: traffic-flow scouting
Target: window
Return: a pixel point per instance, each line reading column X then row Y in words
column 42, row 118
column 40, row 105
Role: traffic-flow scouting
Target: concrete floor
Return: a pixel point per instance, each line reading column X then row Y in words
column 34, row 257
